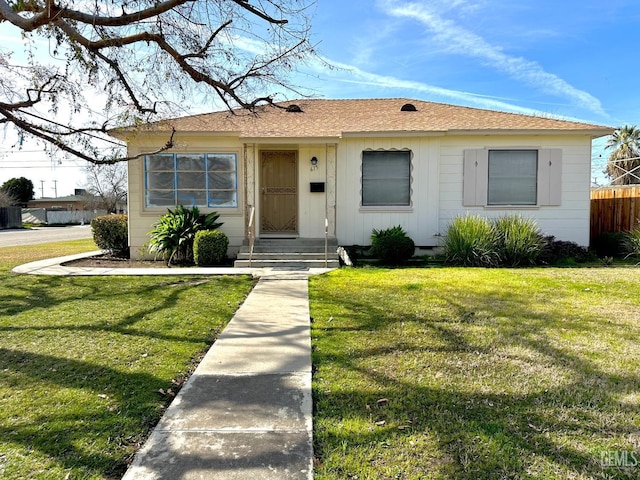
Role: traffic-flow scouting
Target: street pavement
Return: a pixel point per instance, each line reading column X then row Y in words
column 35, row 235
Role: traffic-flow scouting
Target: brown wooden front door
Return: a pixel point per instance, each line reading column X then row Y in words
column 279, row 193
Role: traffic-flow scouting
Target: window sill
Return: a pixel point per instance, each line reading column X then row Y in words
column 512, row 207
column 405, row 209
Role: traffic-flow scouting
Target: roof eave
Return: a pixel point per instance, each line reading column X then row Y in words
column 127, row 135
column 592, row 132
column 289, row 140
column 395, row 133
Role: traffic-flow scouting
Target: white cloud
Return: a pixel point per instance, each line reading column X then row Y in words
column 350, row 74
column 462, row 41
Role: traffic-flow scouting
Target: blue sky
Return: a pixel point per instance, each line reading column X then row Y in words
column 563, row 58
column 566, row 58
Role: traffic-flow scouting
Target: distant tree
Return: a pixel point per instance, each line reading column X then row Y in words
column 6, row 200
column 623, row 164
column 91, row 66
column 20, row 189
column 108, row 183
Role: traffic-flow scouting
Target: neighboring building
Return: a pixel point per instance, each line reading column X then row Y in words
column 69, row 203
column 363, row 164
column 80, row 201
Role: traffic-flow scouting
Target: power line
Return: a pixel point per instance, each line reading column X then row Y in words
column 52, row 167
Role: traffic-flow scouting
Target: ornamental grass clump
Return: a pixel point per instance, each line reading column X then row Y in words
column 519, row 240
column 471, row 241
column 631, row 242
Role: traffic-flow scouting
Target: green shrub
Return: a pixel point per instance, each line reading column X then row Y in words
column 392, row 246
column 609, row 244
column 173, row 235
column 511, row 240
column 519, row 240
column 631, row 243
column 210, row 247
column 110, row 232
column 562, row 252
column 471, row 241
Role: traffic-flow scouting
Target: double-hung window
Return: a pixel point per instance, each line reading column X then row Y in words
column 512, row 177
column 386, row 178
column 192, row 179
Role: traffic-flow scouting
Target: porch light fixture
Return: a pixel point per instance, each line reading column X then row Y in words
column 314, row 163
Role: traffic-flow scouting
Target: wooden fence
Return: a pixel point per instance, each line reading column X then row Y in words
column 614, row 209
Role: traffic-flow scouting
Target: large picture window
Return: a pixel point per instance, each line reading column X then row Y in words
column 513, row 177
column 199, row 179
column 386, row 178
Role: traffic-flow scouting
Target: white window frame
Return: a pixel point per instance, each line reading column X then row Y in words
column 504, row 181
column 476, row 177
column 363, row 181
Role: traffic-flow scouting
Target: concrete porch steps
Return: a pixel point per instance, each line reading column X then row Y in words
column 289, row 253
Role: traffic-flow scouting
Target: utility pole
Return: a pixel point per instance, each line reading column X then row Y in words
column 55, row 188
column 41, row 188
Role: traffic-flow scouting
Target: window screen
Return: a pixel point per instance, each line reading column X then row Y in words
column 512, row 177
column 386, row 178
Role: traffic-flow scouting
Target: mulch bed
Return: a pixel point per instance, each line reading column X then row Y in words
column 107, row 261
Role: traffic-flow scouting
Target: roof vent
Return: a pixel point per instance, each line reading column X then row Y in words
column 408, row 107
column 294, row 108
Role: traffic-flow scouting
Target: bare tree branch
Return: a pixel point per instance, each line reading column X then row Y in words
column 130, row 66
column 108, row 183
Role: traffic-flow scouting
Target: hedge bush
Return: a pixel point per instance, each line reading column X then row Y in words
column 111, row 233
column 392, row 245
column 609, row 244
column 210, row 247
column 562, row 251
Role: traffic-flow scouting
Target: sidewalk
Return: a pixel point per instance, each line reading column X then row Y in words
column 53, row 266
column 245, row 413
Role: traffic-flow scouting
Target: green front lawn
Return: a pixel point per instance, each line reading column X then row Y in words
column 477, row 374
column 88, row 364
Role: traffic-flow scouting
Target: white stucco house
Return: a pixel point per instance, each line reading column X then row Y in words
column 362, row 164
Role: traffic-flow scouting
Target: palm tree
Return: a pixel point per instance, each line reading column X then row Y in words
column 623, row 165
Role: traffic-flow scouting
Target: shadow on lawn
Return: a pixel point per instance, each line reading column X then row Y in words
column 484, row 429
column 92, row 413
column 127, row 402
column 91, row 291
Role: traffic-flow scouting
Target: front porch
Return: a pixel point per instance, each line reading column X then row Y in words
column 289, row 190
column 289, row 253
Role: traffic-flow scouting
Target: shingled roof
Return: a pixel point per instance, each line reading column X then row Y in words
column 337, row 118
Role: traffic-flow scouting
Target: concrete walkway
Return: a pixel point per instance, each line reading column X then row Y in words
column 246, row 411
column 53, row 266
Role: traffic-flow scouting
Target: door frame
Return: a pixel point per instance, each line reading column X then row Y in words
column 295, row 233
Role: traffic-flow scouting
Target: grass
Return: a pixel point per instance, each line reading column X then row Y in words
column 88, row 364
column 476, row 374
